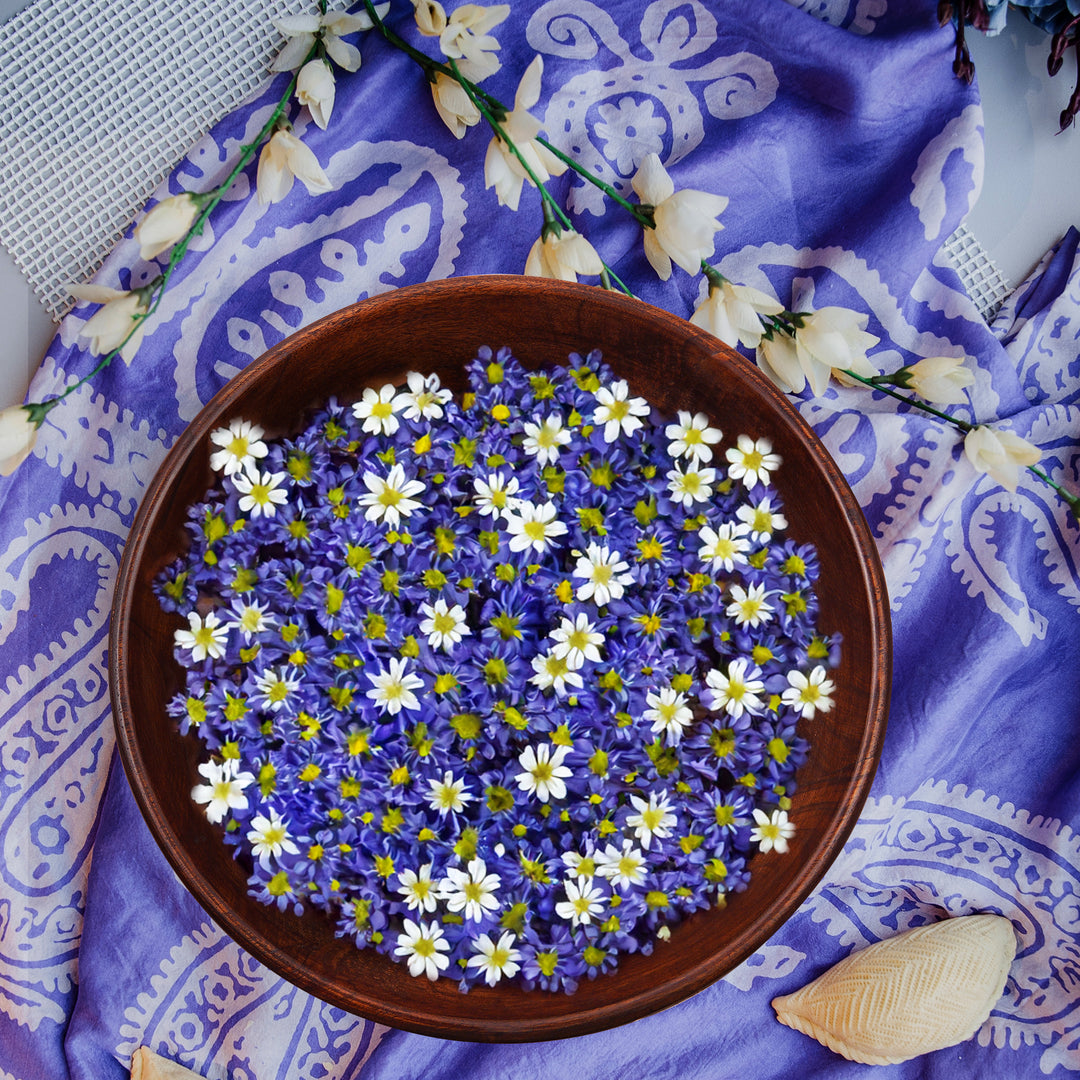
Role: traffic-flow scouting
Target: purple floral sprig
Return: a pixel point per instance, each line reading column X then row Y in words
column 1060, row 18
column 507, row 685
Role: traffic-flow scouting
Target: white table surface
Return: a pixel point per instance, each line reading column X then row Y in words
column 1030, row 196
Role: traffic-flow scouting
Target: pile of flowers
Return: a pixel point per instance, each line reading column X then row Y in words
column 507, row 685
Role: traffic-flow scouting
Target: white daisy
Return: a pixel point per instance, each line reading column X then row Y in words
column 390, row 498
column 425, row 398
column 393, row 689
column 224, row 790
column 377, row 408
column 808, row 695
column 772, row 831
column 577, row 641
column 448, row 794
column 752, row 460
column 495, row 496
column 204, row 637
column 274, row 688
column 652, row 818
column 692, row 486
column 692, row 437
column 553, row 672
column 737, row 691
column 419, row 891
column 623, row 868
column 724, row 547
column 533, row 526
column 543, row 441
column 472, row 891
column 241, row 444
column 495, row 960
column 269, row 837
column 606, row 575
column 669, row 713
column 260, row 492
column 619, row 413
column 579, row 866
column 749, row 607
column 582, row 903
column 424, row 945
column 444, row 625
column 250, row 619
column 761, row 520
column 543, row 771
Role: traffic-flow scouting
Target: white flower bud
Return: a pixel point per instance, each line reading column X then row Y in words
column 941, row 379
column 454, row 106
column 730, row 312
column 315, row 89
column 685, row 220
column 831, row 339
column 18, row 433
column 430, row 17
column 283, row 158
column 563, row 257
column 110, row 325
column 1000, row 454
column 166, row 223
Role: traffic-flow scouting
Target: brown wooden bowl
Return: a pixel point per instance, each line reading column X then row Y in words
column 438, row 326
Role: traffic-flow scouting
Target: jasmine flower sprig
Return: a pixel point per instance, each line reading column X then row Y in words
column 997, row 452
column 800, row 348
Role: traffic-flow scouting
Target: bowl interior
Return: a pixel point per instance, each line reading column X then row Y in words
column 438, row 326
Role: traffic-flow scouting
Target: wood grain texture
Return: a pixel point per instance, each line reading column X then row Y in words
column 438, row 326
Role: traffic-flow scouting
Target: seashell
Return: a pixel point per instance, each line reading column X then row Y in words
column 146, row 1065
column 922, row 990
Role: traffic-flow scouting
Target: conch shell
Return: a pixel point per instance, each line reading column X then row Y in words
column 922, row 990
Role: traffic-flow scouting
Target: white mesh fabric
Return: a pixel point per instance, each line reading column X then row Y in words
column 100, row 99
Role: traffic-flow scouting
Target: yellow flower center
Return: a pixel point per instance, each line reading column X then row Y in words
column 601, row 573
column 382, row 409
column 534, row 530
column 238, row 446
column 443, row 624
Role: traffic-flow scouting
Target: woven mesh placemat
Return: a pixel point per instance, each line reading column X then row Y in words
column 100, row 99
column 984, row 282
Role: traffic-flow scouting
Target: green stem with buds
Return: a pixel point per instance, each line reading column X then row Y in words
column 878, row 383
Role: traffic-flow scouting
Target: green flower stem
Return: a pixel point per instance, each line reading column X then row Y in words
column 872, row 382
column 640, row 212
column 155, row 290
column 1072, row 500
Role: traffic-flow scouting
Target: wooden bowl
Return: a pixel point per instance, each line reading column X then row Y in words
column 438, row 326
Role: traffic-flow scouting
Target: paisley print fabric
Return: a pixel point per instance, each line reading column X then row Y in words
column 849, row 153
